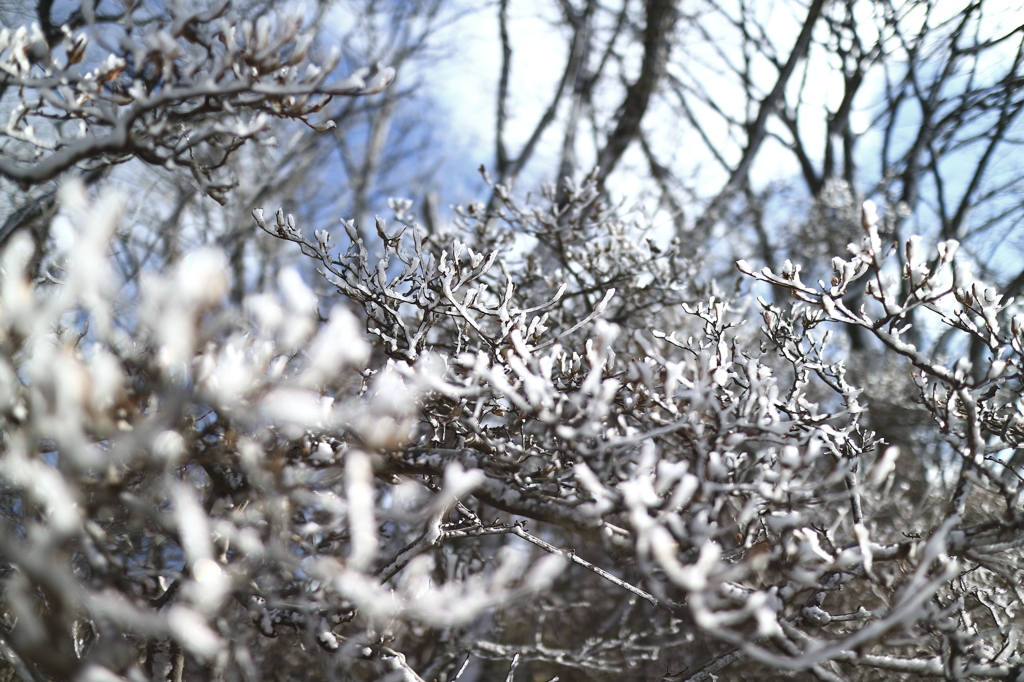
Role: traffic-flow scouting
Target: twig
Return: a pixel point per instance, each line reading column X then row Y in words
column 519, row 531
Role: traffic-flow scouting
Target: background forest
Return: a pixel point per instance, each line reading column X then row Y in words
column 523, row 340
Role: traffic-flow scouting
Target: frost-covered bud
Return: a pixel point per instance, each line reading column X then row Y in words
column 963, row 296
column 380, row 80
column 868, row 215
column 947, row 250
column 883, row 466
column 338, row 343
column 1017, row 324
column 323, row 239
column 202, row 278
column 913, row 248
column 962, row 369
column 914, row 270
column 296, row 292
column 962, row 276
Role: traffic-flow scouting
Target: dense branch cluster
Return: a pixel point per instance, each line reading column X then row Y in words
column 187, row 90
column 547, row 438
column 184, row 479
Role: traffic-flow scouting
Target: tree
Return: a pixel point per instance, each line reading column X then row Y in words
column 773, row 121
column 535, row 441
